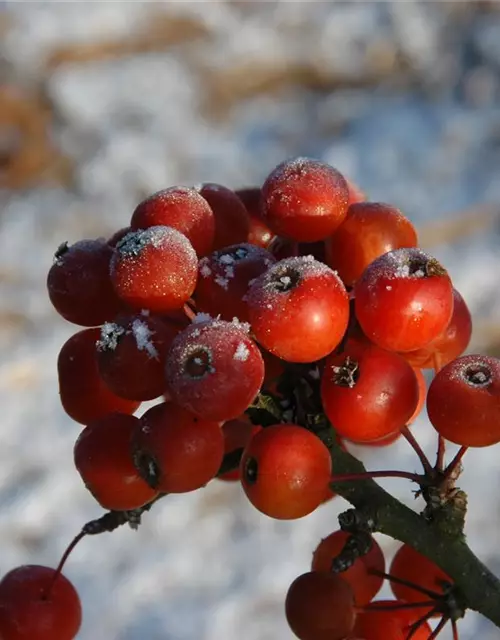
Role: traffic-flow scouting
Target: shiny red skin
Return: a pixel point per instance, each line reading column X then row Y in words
column 369, row 230
column 465, row 413
column 231, row 379
column 222, row 285
column 400, row 310
column 79, row 285
column 103, row 458
column 365, row 586
column 450, row 344
column 232, row 222
column 381, row 624
column 304, row 200
column 259, row 234
column 182, row 208
column 307, row 320
column 130, row 361
column 26, row 614
column 383, row 395
column 320, row 606
column 84, row 395
column 293, row 471
column 412, row 566
column 186, row 450
column 155, row 269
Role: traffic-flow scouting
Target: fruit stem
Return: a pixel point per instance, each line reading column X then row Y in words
column 411, row 585
column 189, row 312
column 418, row 624
column 374, row 606
column 455, row 462
column 62, row 562
column 347, row 477
column 405, row 431
column 439, row 628
column 440, row 454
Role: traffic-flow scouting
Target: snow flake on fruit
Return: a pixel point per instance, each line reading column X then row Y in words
column 205, row 270
column 110, row 334
column 142, row 334
column 222, row 282
column 201, row 317
column 241, row 352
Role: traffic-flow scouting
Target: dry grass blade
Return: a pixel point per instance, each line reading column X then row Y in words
column 478, row 219
column 161, row 33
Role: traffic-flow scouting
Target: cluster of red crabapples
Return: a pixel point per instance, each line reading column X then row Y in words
column 242, row 314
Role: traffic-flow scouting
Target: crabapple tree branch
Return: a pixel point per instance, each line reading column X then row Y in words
column 479, row 588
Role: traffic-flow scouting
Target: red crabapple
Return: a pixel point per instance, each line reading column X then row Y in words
column 364, row 584
column 285, row 471
column 304, row 199
column 404, row 300
column 368, row 392
column 181, row 208
column 450, row 344
column 369, row 230
column 155, row 268
column 298, row 309
column 214, row 369
column 385, row 624
column 34, row 606
column 176, row 451
column 410, row 565
column 84, row 395
column 79, row 285
column 320, row 606
column 131, row 354
column 224, row 278
column 103, row 458
column 463, row 401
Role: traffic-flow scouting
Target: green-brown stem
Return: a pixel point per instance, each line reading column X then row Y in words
column 479, row 588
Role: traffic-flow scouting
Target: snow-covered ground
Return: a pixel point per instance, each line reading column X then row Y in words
column 402, row 97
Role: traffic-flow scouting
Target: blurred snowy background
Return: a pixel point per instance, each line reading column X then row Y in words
column 102, row 103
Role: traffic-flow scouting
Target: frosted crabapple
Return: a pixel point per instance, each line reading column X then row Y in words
column 155, row 269
column 404, row 300
column 182, row 208
column 304, row 199
column 463, row 401
column 131, row 355
column 79, row 285
column 214, row 369
column 224, row 278
column 298, row 292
